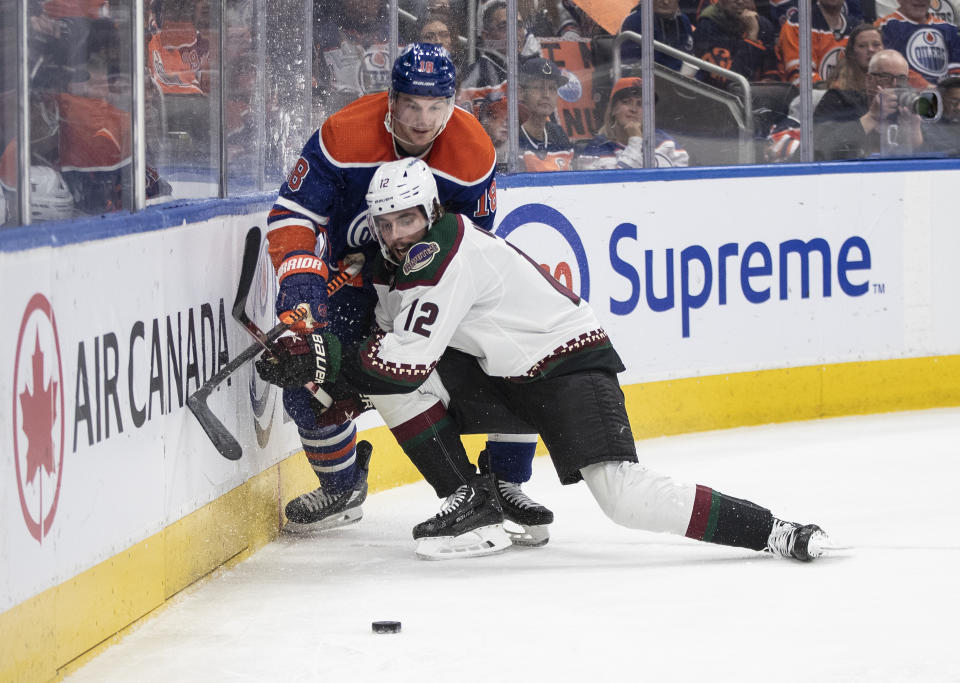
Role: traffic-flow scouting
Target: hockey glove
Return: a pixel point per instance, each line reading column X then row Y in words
column 295, row 361
column 303, row 284
column 343, row 410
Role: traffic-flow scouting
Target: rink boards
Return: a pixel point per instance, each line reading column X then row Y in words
column 732, row 298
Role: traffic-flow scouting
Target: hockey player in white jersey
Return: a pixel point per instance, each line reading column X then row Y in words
column 474, row 337
column 318, row 225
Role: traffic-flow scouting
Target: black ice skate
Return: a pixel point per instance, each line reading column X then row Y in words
column 470, row 524
column 521, row 510
column 800, row 542
column 319, row 510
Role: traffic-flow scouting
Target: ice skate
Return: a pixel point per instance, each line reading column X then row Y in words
column 319, row 510
column 469, row 524
column 520, row 510
column 800, row 542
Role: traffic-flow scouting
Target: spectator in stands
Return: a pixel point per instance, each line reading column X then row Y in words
column 734, row 37
column 81, row 143
column 944, row 136
column 178, row 54
column 944, row 9
column 619, row 142
column 433, row 28
column 436, row 28
column 670, row 27
column 863, row 43
column 928, row 43
column 782, row 11
column 452, row 12
column 829, row 37
column 486, row 79
column 493, row 118
column 577, row 23
column 783, row 141
column 850, row 124
column 544, row 145
column 351, row 51
column 547, row 18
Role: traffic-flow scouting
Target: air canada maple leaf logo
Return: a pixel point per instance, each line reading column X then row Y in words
column 38, row 424
column 39, row 415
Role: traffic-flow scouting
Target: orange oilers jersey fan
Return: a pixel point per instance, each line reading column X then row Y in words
column 826, row 46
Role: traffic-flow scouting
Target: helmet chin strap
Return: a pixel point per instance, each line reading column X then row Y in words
column 388, row 124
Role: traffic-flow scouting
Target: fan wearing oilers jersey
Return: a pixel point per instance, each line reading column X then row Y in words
column 929, row 43
column 318, row 225
column 473, row 335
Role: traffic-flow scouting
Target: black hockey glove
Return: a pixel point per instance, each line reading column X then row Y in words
column 293, row 361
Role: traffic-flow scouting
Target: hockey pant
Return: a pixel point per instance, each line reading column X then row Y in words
column 582, row 419
column 331, row 447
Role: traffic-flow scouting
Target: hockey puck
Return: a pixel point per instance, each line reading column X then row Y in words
column 386, row 627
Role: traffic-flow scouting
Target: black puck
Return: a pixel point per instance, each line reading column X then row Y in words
column 386, row 627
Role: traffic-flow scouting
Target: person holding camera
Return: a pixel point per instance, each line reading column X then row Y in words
column 943, row 137
column 852, row 124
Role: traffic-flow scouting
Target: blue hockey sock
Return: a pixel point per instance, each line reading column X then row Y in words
column 511, row 455
column 332, row 454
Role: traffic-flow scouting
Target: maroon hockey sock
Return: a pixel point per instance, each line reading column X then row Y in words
column 432, row 442
column 718, row 518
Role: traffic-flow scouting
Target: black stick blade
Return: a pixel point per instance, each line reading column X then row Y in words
column 219, row 436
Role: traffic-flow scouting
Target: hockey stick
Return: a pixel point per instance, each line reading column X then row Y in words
column 251, row 256
column 222, row 439
column 225, row 443
column 248, row 268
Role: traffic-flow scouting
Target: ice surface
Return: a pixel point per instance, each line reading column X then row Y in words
column 603, row 603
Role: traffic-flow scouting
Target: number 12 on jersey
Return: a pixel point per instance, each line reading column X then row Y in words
column 421, row 321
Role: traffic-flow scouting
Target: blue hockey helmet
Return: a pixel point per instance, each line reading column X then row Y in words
column 426, row 70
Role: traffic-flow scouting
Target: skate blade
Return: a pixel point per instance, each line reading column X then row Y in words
column 527, row 536
column 345, row 518
column 485, row 540
column 825, row 547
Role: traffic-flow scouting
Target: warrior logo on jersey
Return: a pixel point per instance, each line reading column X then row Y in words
column 828, row 65
column 942, row 9
column 927, row 52
column 420, row 256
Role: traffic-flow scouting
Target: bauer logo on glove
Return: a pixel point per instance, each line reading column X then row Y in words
column 294, row 361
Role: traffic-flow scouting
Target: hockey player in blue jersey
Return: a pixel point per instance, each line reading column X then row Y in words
column 319, row 223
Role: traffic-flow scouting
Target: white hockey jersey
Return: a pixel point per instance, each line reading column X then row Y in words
column 465, row 288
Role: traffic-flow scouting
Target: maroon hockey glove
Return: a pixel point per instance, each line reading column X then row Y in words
column 343, row 410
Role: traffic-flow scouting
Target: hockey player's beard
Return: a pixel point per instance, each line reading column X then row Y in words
column 399, row 252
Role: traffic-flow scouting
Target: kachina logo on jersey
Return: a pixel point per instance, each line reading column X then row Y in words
column 756, row 272
column 538, row 219
column 927, row 52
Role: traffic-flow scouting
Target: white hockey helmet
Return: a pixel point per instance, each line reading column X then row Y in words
column 399, row 185
column 50, row 198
